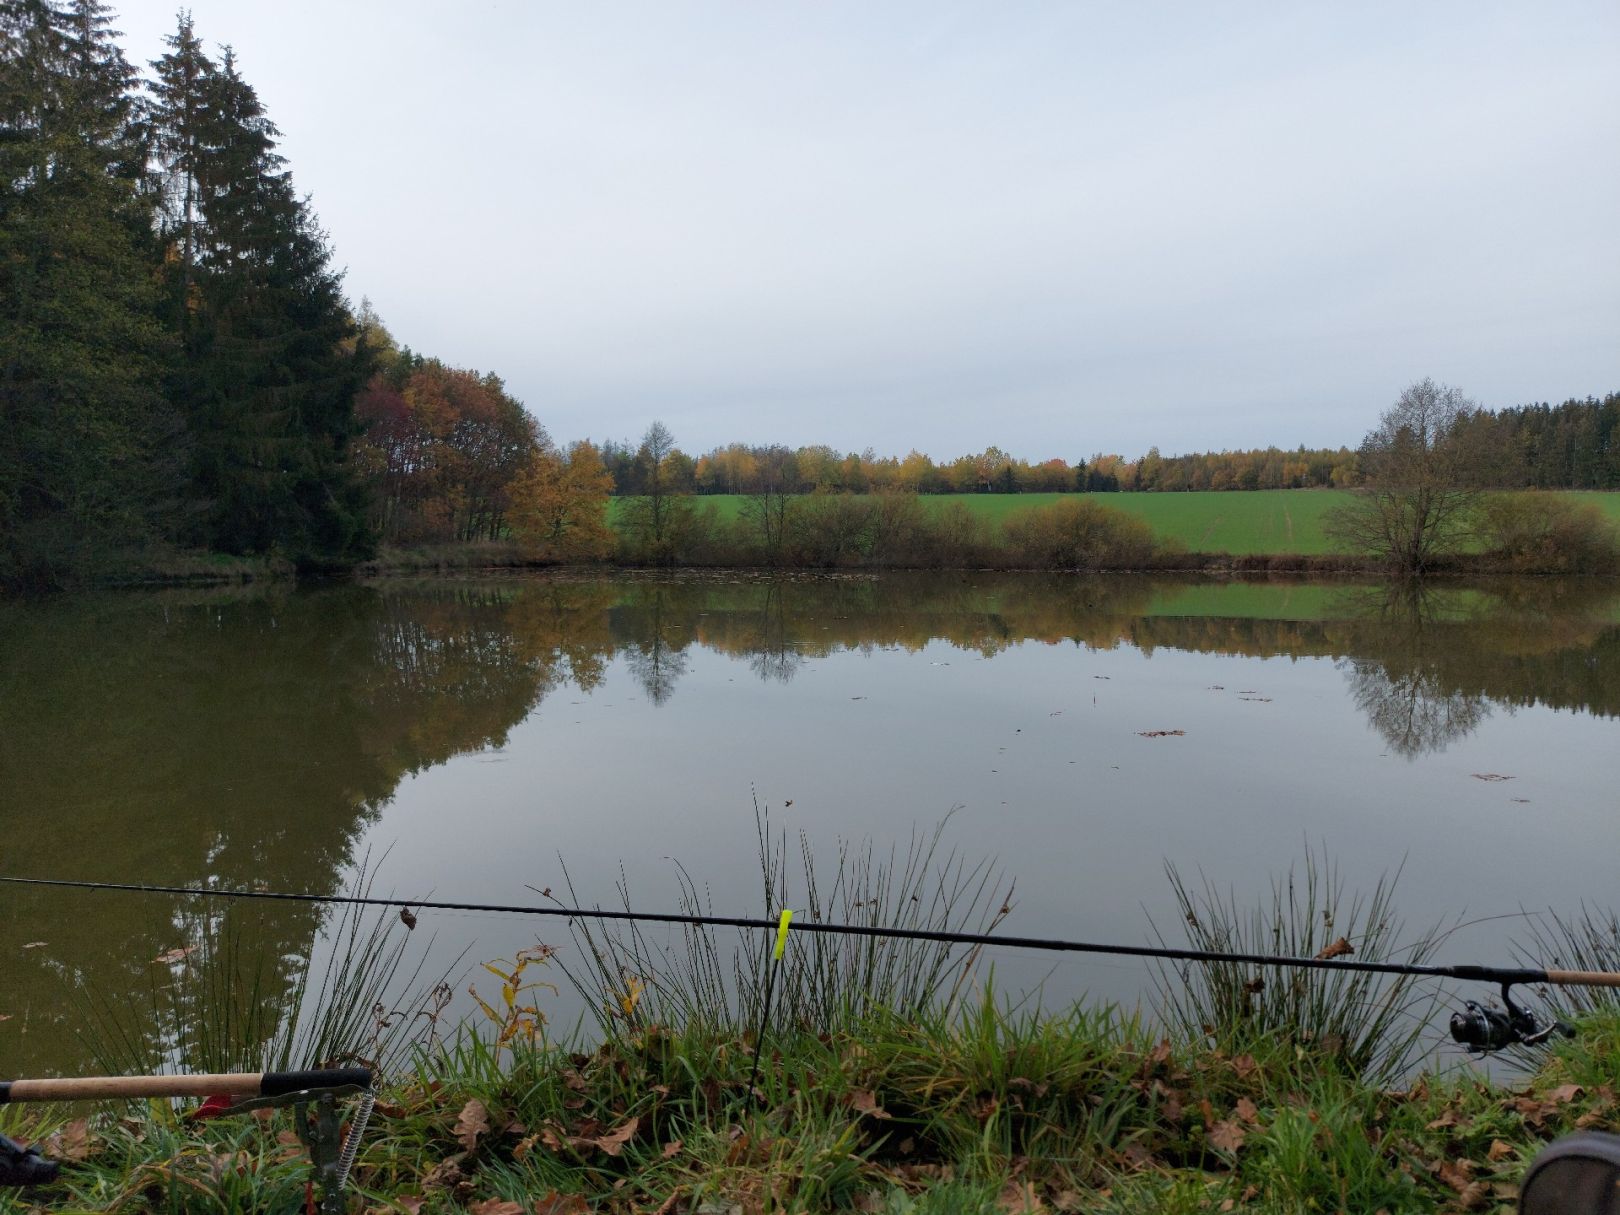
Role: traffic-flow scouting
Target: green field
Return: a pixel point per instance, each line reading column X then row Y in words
column 1237, row 522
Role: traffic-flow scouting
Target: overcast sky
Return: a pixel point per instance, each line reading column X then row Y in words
column 1060, row 228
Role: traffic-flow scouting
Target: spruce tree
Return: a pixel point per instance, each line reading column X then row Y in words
column 82, row 421
column 269, row 378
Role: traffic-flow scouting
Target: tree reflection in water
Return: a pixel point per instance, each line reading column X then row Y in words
column 241, row 738
column 1401, row 688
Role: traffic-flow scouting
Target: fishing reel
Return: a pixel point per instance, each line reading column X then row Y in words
column 24, row 1166
column 1482, row 1031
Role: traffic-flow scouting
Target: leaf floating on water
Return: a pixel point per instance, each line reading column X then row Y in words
column 1338, row 949
column 1161, row 733
column 1490, row 776
column 35, row 945
column 170, row 956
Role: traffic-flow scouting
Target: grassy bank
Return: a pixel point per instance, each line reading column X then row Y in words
column 976, row 1111
column 892, row 1079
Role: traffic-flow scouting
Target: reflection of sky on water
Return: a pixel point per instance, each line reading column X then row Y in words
column 471, row 735
column 1038, row 750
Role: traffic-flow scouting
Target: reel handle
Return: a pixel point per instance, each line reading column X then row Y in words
column 1583, row 978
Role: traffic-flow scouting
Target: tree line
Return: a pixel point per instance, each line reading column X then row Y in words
column 1573, row 445
column 741, row 468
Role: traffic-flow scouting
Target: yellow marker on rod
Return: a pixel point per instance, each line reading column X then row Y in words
column 770, row 988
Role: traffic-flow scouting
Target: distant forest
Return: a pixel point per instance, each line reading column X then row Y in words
column 181, row 372
column 1575, row 445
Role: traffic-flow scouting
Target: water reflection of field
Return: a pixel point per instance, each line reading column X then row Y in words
column 260, row 738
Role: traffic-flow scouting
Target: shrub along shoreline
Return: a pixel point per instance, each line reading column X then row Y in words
column 1529, row 533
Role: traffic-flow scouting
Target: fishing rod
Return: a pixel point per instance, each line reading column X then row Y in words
column 312, row 1094
column 1478, row 1028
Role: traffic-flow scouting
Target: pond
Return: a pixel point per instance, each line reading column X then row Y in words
column 468, row 739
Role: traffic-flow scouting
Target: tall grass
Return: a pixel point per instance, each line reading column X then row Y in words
column 826, row 981
column 1587, row 941
column 1371, row 1024
column 228, row 1005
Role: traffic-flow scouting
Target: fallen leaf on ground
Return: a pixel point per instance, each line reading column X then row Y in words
column 613, row 1142
column 1248, row 1111
column 72, row 1142
column 671, row 1149
column 1228, row 1136
column 1498, row 1150
column 446, row 1174
column 561, row 1204
column 1565, row 1093
column 863, row 1101
column 472, row 1122
column 496, row 1206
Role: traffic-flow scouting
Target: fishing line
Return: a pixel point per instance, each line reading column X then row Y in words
column 1486, row 974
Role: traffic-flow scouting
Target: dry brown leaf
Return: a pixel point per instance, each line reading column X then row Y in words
column 446, row 1174
column 613, row 1142
column 472, row 1122
column 496, row 1206
column 1244, row 1066
column 1498, row 1150
column 1020, row 1198
column 411, row 1204
column 1248, row 1111
column 1227, row 1136
column 1565, row 1093
column 863, row 1101
column 72, row 1142
column 561, row 1204
column 1459, row 1175
column 671, row 1149
column 1338, row 949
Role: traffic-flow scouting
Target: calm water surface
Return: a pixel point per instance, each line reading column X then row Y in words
column 478, row 736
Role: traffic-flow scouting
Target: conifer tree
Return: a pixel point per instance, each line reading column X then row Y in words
column 268, row 379
column 82, row 423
